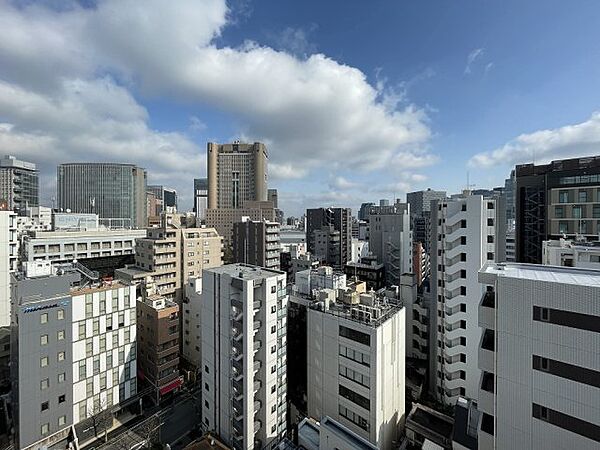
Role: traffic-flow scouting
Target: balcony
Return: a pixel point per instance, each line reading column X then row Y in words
column 487, row 310
column 257, row 324
column 257, row 406
column 257, row 386
column 237, row 333
column 486, row 351
column 256, row 346
column 256, row 366
column 486, row 393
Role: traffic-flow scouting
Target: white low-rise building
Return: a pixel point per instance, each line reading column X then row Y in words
column 563, row 252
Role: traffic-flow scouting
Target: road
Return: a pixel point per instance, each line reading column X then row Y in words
column 179, row 419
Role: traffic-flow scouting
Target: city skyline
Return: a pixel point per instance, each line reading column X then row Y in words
column 438, row 91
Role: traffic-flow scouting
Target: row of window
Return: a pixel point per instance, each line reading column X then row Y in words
column 60, row 315
column 45, row 360
column 45, row 428
column 112, row 302
column 355, row 355
column 354, row 418
column 357, row 377
column 354, row 397
column 355, row 335
column 109, row 362
column 577, row 212
column 45, row 383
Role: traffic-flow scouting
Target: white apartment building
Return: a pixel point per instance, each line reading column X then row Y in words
column 243, row 324
column 324, row 277
column 73, row 355
column 356, row 365
column 8, row 261
column 464, row 238
column 390, row 239
column 563, row 252
column 540, row 358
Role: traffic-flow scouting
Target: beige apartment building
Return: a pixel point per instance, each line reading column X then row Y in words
column 170, row 255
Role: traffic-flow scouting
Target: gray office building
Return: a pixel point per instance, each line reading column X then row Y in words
column 19, row 184
column 420, row 201
column 257, row 242
column 200, row 197
column 111, row 190
column 331, row 219
column 167, row 197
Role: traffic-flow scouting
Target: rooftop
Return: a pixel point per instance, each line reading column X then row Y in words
column 430, row 423
column 550, row 274
column 245, row 271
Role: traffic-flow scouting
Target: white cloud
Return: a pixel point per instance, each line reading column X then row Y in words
column 313, row 111
column 472, row 57
column 196, row 124
column 569, row 141
column 342, row 183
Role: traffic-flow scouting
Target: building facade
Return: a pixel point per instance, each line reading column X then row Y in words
column 390, row 239
column 356, row 367
column 257, row 243
column 237, row 173
column 330, row 220
column 464, row 238
column 158, row 341
column 244, row 355
column 9, row 253
column 571, row 254
column 73, row 358
column 110, row 190
column 540, row 380
column 171, row 255
column 19, row 184
column 560, row 199
column 420, row 201
column 200, row 197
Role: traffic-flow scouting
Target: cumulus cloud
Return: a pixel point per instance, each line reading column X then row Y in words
column 67, row 78
column 343, row 183
column 570, row 141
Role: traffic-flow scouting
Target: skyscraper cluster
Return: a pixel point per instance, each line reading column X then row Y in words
column 467, row 320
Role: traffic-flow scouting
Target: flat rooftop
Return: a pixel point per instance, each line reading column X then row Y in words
column 245, row 271
column 551, row 274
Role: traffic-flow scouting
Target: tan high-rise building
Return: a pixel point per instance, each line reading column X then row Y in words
column 237, row 173
column 171, row 254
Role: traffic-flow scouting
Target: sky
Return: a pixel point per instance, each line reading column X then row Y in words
column 355, row 100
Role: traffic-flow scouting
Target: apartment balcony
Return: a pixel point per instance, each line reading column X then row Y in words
column 237, row 333
column 257, row 406
column 272, row 238
column 167, row 351
column 256, row 366
column 257, row 426
column 486, row 431
column 238, row 390
column 256, row 325
column 238, row 412
column 486, row 351
column 257, row 385
column 256, row 305
column 486, row 393
column 236, row 353
column 487, row 310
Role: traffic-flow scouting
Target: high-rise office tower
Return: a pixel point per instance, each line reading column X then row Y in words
column 166, row 196
column 200, row 197
column 538, row 354
column 420, row 211
column 273, row 197
column 257, row 243
column 420, row 201
column 509, row 192
column 465, row 235
column 73, row 355
column 555, row 200
column 19, row 184
column 363, row 212
column 390, row 239
column 237, row 173
column 331, row 219
column 111, row 190
column 243, row 323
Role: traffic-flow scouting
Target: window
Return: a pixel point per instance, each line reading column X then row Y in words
column 490, row 239
column 62, row 398
column 132, row 317
column 82, row 369
column 490, row 256
column 102, row 343
column 44, row 318
column 115, row 376
column 61, row 377
column 355, row 335
column 490, row 222
column 96, row 365
column 206, row 403
column 121, row 357
column 109, row 322
column 206, row 387
column 96, row 326
column 44, row 339
column 273, row 369
column 115, row 339
column 45, row 406
column 463, row 223
column 44, row 384
column 60, row 314
column 61, row 356
column 273, row 349
column 89, row 387
column 354, row 397
column 103, row 381
column 577, row 212
column 463, row 240
column 563, row 227
column 44, row 361
column 109, row 398
column 596, row 211
column 82, row 410
column 273, row 309
column 45, row 429
column 583, row 197
column 273, row 409
column 273, row 289
column 273, row 389
column 121, row 319
column 490, row 205
column 60, row 335
column 127, row 335
column 109, row 361
column 354, row 418
column 463, row 290
column 563, row 197
column 273, row 329
column 89, row 306
column 206, row 369
column 463, row 257
column 89, row 348
column 103, row 305
column 81, row 330
column 463, row 341
column 559, row 212
column 62, row 420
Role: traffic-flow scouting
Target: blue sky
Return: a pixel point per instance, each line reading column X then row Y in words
column 356, row 100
